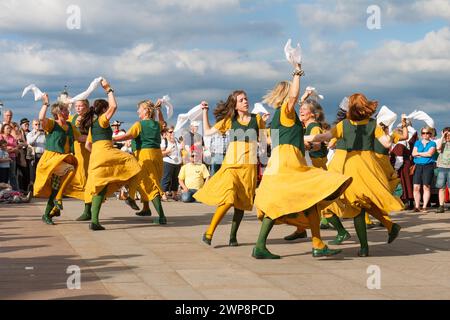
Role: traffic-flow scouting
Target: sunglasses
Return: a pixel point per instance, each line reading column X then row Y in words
column 426, row 132
column 170, row 131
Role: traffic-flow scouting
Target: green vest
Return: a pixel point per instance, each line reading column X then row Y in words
column 359, row 137
column 150, row 136
column 56, row 140
column 340, row 145
column 288, row 135
column 379, row 148
column 99, row 133
column 322, row 153
column 247, row 133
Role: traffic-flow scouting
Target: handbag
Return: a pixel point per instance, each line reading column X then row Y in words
column 412, row 169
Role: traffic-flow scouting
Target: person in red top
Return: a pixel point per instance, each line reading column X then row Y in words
column 12, row 149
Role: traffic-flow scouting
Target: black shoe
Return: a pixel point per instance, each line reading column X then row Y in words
column 132, row 204
column 233, row 243
column 441, row 209
column 363, row 252
column 296, row 235
column 325, row 252
column 96, row 227
column 55, row 212
column 394, row 233
column 144, row 213
column 206, row 240
column 340, row 238
column 47, row 220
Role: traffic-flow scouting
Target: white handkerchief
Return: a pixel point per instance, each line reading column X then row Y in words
column 315, row 95
column 84, row 95
column 344, row 104
column 259, row 108
column 420, row 115
column 37, row 92
column 195, row 114
column 387, row 117
column 168, row 105
column 293, row 55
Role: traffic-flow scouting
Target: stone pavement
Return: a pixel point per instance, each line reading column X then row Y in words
column 135, row 259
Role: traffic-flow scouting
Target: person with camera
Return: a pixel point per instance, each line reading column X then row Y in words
column 443, row 167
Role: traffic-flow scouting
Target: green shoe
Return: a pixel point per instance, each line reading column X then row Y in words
column 206, row 240
column 58, row 204
column 96, row 227
column 144, row 213
column 363, row 252
column 233, row 243
column 325, row 252
column 394, row 233
column 296, row 235
column 84, row 217
column 263, row 254
column 132, row 204
column 47, row 220
column 340, row 238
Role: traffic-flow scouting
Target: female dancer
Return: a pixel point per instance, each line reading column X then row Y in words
column 146, row 135
column 370, row 187
column 290, row 190
column 235, row 183
column 109, row 168
column 57, row 165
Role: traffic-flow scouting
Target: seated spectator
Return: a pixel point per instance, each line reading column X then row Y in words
column 192, row 177
column 5, row 162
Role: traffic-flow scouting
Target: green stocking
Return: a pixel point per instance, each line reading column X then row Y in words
column 86, row 216
column 96, row 205
column 158, row 206
column 337, row 224
column 260, row 251
column 361, row 231
column 237, row 218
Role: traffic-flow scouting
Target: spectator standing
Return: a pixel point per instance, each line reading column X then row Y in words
column 25, row 156
column 423, row 153
column 117, row 132
column 171, row 150
column 7, row 117
column 36, row 139
column 218, row 148
column 443, row 167
column 12, row 149
column 192, row 177
column 193, row 139
column 5, row 162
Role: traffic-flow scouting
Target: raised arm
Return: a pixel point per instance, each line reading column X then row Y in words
column 112, row 104
column 294, row 91
column 43, row 113
column 207, row 129
column 159, row 112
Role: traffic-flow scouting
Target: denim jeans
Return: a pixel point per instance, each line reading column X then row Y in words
column 170, row 177
column 216, row 163
column 187, row 197
column 13, row 176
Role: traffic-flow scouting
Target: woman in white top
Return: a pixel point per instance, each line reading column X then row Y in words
column 171, row 150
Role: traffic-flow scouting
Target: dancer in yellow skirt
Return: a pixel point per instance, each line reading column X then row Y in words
column 146, row 135
column 109, row 168
column 370, row 187
column 57, row 165
column 235, row 183
column 76, row 188
column 290, row 191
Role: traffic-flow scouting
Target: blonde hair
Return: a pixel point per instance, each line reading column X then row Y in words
column 278, row 94
column 57, row 108
column 148, row 106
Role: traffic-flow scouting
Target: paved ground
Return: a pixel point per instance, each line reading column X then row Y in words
column 134, row 259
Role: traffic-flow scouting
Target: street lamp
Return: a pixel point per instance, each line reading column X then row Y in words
column 63, row 96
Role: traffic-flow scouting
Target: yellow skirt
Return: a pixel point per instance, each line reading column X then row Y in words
column 110, row 167
column 51, row 163
column 290, row 186
column 370, row 185
column 389, row 171
column 76, row 188
column 149, row 179
column 235, row 182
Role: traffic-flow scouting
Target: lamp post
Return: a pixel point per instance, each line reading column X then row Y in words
column 63, row 96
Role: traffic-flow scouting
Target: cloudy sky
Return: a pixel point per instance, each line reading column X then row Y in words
column 196, row 49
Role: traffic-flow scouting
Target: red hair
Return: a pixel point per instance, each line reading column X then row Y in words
column 359, row 108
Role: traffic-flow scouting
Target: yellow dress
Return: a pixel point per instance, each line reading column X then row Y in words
column 319, row 162
column 52, row 163
column 148, row 182
column 76, row 187
column 370, row 185
column 108, row 166
column 235, row 182
column 289, row 186
column 385, row 163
